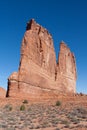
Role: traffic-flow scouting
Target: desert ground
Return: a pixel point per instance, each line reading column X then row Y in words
column 61, row 113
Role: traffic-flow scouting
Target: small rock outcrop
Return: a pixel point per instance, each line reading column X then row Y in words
column 2, row 92
column 39, row 75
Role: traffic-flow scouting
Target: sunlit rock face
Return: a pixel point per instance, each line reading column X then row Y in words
column 39, row 76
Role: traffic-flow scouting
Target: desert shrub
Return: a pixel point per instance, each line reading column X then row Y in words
column 8, row 107
column 75, row 120
column 25, row 101
column 22, row 108
column 29, row 109
column 81, row 94
column 64, row 122
column 58, row 103
column 57, row 129
column 55, row 121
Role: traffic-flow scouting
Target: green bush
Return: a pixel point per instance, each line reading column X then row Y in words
column 22, row 108
column 25, row 101
column 58, row 103
column 10, row 108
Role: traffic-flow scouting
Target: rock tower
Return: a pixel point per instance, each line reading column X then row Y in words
column 39, row 75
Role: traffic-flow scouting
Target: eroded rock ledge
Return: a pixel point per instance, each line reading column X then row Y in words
column 39, row 75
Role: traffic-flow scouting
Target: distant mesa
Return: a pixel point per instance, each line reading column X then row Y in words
column 2, row 92
column 39, row 76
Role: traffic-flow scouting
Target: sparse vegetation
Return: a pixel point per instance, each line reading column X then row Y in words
column 64, row 122
column 40, row 116
column 25, row 101
column 8, row 107
column 81, row 94
column 57, row 129
column 55, row 121
column 58, row 103
column 22, row 108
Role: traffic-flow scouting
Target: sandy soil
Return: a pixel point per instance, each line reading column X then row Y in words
column 60, row 113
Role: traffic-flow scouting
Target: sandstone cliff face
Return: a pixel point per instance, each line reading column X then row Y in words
column 66, row 69
column 39, row 74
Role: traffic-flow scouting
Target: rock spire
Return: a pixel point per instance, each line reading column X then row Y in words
column 39, row 76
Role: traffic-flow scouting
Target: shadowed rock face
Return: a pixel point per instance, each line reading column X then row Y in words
column 39, row 75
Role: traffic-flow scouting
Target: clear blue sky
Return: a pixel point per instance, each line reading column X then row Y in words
column 65, row 19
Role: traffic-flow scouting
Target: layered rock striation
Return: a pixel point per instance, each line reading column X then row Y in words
column 39, row 75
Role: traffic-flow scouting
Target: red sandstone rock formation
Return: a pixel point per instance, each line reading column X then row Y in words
column 39, row 74
column 2, row 92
